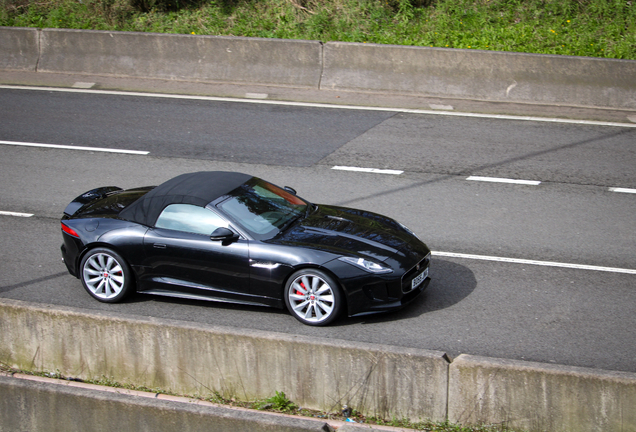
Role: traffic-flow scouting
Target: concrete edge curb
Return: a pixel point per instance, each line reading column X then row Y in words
column 157, row 413
column 319, row 424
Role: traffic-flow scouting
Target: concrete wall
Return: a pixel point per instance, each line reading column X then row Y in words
column 540, row 397
column 486, row 75
column 186, row 57
column 453, row 73
column 186, row 358
column 38, row 406
column 19, row 49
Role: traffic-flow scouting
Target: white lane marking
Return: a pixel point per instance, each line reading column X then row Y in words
column 8, row 213
column 83, row 85
column 504, row 180
column 622, row 190
column 67, row 147
column 534, row 262
column 318, row 105
column 369, row 170
column 256, row 95
column 441, row 107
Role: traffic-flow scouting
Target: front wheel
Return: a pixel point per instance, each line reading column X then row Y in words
column 313, row 297
column 105, row 275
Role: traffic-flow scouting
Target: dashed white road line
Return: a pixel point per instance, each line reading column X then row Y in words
column 504, row 180
column 68, row 147
column 534, row 262
column 444, row 112
column 15, row 214
column 369, row 170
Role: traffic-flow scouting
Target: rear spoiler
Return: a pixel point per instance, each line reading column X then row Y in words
column 87, row 197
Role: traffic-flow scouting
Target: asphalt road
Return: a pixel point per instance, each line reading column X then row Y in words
column 573, row 316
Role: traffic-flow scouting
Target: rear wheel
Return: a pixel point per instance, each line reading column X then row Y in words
column 313, row 297
column 105, row 275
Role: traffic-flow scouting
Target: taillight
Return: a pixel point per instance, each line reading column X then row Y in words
column 69, row 231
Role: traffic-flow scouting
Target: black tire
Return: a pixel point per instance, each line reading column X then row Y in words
column 313, row 297
column 105, row 275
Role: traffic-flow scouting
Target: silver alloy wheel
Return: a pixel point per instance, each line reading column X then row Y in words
column 311, row 298
column 103, row 275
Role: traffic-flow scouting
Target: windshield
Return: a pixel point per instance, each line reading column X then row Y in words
column 262, row 208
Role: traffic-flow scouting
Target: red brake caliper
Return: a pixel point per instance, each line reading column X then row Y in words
column 302, row 285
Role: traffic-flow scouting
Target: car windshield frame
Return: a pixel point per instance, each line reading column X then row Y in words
column 262, row 209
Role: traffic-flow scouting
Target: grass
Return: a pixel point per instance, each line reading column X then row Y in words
column 281, row 404
column 594, row 28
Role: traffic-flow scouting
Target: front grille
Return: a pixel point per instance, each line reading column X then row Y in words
column 407, row 278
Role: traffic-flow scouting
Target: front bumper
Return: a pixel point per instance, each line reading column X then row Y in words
column 388, row 306
column 372, row 293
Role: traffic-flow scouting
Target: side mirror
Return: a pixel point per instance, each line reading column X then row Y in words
column 223, row 234
column 290, row 190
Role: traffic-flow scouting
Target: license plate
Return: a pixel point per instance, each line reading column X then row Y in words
column 419, row 278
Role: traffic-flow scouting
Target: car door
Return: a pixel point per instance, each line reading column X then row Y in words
column 180, row 256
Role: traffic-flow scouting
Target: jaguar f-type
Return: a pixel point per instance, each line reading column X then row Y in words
column 232, row 237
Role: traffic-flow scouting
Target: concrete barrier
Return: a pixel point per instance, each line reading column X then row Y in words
column 19, row 49
column 485, row 75
column 169, row 56
column 38, row 406
column 187, row 358
column 434, row 72
column 540, row 397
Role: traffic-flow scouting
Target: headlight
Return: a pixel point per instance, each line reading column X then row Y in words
column 367, row 265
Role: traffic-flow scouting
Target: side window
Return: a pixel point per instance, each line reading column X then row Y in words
column 189, row 218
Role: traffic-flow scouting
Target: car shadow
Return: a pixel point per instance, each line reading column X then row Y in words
column 7, row 288
column 139, row 297
column 450, row 284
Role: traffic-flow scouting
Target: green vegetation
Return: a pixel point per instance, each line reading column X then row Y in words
column 596, row 28
column 280, row 403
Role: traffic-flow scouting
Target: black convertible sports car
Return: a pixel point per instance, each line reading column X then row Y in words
column 231, row 237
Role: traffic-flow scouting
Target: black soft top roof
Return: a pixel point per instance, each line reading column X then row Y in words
column 199, row 188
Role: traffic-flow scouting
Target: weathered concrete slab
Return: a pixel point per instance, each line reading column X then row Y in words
column 38, row 406
column 187, row 358
column 486, row 75
column 540, row 397
column 169, row 56
column 19, row 48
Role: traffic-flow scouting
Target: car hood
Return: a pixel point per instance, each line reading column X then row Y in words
column 345, row 231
